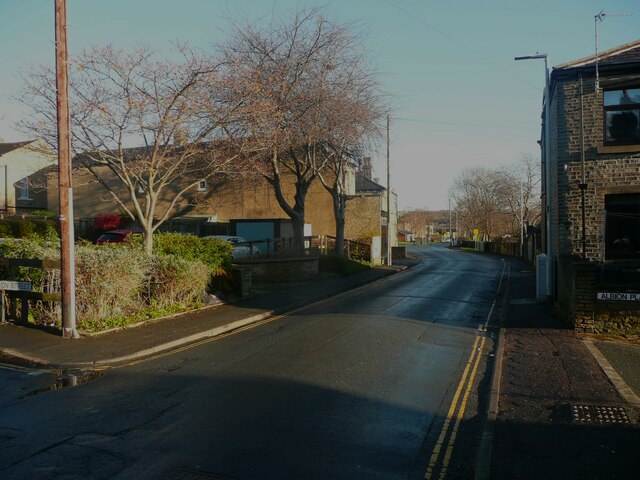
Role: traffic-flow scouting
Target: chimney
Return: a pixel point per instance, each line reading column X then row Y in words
column 365, row 167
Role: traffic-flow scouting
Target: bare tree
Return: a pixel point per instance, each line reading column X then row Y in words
column 478, row 194
column 354, row 121
column 291, row 73
column 522, row 179
column 179, row 111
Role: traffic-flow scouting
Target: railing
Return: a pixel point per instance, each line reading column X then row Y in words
column 353, row 249
column 313, row 245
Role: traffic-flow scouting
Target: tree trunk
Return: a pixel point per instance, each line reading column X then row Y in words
column 339, row 204
column 147, row 239
column 297, row 222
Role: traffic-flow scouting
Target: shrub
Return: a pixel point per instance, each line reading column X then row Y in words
column 176, row 282
column 110, row 283
column 117, row 284
column 42, row 280
column 213, row 252
column 5, row 229
column 29, row 228
column 23, row 228
column 43, row 213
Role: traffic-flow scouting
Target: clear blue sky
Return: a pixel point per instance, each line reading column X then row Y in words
column 458, row 97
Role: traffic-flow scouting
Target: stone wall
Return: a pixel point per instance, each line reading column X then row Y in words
column 276, row 270
column 577, row 129
column 581, row 281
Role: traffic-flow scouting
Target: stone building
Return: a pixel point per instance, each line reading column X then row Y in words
column 594, row 188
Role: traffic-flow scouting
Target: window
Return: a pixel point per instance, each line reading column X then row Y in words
column 622, row 235
column 23, row 189
column 622, row 116
column 202, row 186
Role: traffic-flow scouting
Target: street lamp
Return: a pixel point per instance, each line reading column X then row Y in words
column 546, row 159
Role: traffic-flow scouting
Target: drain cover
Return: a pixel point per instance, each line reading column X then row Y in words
column 599, row 414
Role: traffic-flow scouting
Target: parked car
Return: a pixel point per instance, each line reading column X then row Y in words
column 242, row 248
column 116, row 236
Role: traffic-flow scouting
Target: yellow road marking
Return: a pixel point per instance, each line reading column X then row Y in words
column 475, row 360
column 445, row 427
column 463, row 406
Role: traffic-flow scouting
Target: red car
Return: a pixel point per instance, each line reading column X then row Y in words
column 116, row 236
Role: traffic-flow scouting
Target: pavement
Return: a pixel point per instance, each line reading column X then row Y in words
column 562, row 406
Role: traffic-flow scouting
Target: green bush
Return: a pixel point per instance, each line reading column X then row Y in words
column 6, row 231
column 117, row 284
column 43, row 213
column 214, row 253
column 43, row 280
column 110, row 283
column 29, row 228
column 177, row 282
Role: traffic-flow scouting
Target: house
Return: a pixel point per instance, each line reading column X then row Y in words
column 20, row 191
column 594, row 189
column 218, row 200
column 367, row 214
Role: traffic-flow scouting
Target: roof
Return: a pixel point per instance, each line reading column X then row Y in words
column 364, row 184
column 10, row 147
column 627, row 53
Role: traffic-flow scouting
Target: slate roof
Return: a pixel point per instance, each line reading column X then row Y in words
column 627, row 53
column 10, row 147
column 364, row 184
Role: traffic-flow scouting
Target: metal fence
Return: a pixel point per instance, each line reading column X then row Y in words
column 313, row 245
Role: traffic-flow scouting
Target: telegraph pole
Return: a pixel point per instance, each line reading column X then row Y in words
column 65, row 190
column 450, row 228
column 389, row 259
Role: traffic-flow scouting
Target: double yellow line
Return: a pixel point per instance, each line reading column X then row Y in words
column 458, row 403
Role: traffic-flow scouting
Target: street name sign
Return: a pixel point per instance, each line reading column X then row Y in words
column 15, row 286
column 625, row 297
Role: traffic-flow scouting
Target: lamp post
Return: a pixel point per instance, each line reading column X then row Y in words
column 546, row 159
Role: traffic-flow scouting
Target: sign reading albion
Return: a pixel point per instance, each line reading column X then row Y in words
column 628, row 297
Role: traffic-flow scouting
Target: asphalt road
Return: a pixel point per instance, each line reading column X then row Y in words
column 377, row 383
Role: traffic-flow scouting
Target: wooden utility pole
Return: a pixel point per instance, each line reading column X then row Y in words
column 65, row 190
column 389, row 259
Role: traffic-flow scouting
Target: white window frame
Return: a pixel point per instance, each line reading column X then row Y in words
column 203, row 185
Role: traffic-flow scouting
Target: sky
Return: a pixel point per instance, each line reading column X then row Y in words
column 458, row 99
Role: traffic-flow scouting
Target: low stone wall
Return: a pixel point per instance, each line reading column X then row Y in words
column 278, row 270
column 617, row 315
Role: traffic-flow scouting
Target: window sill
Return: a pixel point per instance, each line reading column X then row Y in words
column 25, row 199
column 618, row 149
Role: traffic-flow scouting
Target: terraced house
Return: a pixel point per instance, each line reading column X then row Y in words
column 594, row 189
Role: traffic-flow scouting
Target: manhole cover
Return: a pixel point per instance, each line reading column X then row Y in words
column 186, row 474
column 598, row 414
